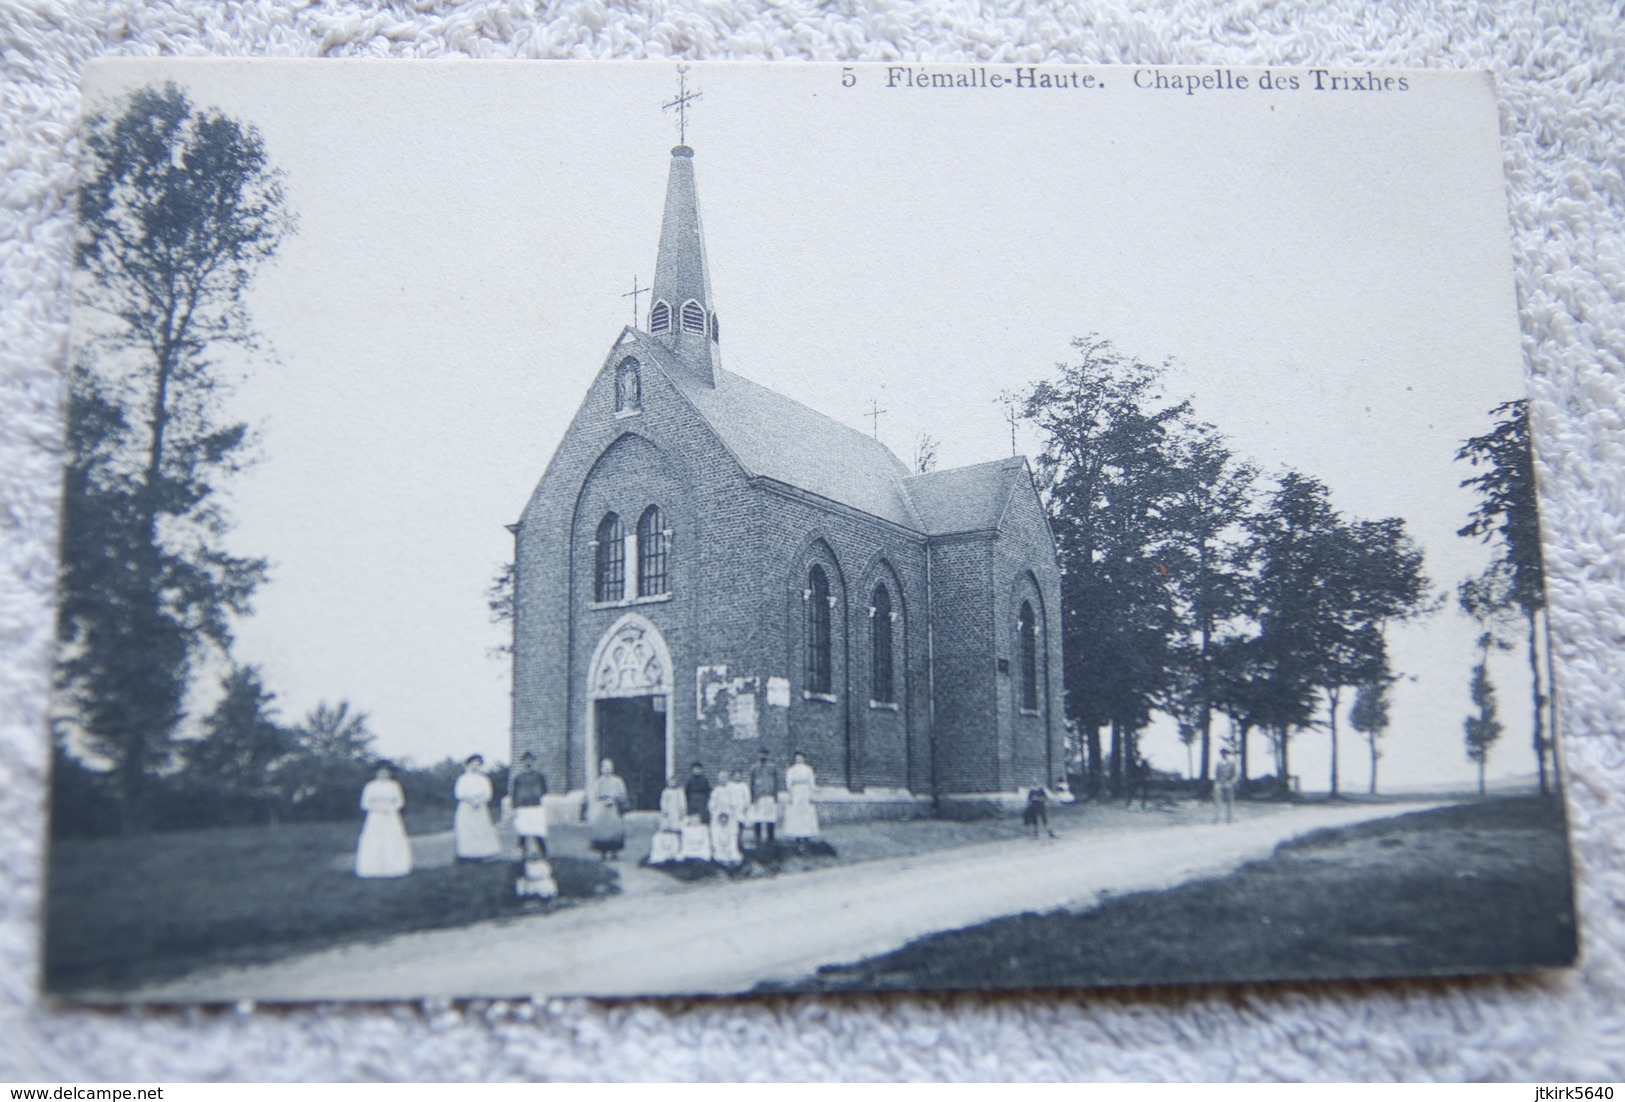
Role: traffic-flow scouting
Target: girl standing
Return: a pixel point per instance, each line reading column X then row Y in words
column 800, row 815
column 383, row 851
column 475, row 835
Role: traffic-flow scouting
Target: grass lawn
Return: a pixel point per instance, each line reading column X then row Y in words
column 1481, row 887
column 125, row 911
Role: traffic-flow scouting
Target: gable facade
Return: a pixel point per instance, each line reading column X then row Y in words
column 707, row 570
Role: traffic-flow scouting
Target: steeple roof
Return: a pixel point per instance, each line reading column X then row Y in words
column 682, row 313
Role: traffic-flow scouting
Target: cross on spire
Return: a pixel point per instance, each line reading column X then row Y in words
column 684, row 98
column 633, row 295
column 874, row 415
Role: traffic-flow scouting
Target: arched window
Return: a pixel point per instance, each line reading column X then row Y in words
column 609, row 573
column 716, row 330
column 651, row 553
column 693, row 317
column 628, row 386
column 1027, row 631
column 818, row 616
column 882, row 685
column 660, row 317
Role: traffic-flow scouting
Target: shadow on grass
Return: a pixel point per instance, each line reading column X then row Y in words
column 765, row 860
column 121, row 912
column 1477, row 888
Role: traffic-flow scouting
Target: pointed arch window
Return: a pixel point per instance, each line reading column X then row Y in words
column 1027, row 639
column 652, row 539
column 609, row 560
column 660, row 317
column 819, row 604
column 716, row 330
column 882, row 621
column 693, row 317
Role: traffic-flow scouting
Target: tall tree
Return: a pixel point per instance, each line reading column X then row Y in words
column 925, row 453
column 1325, row 590
column 1295, row 541
column 1369, row 716
column 330, row 759
column 1508, row 514
column 1379, row 579
column 1107, row 475
column 1241, row 691
column 243, row 757
column 1485, row 728
column 1209, row 493
column 179, row 209
column 499, row 603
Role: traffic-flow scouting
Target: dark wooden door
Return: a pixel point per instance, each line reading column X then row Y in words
column 632, row 734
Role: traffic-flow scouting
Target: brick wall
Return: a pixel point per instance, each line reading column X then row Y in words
column 738, row 564
column 1025, row 570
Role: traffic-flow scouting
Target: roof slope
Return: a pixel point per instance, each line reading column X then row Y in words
column 964, row 499
column 778, row 438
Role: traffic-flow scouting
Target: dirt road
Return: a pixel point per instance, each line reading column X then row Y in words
column 723, row 937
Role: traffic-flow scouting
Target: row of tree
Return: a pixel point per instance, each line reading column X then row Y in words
column 1509, row 597
column 249, row 768
column 1194, row 586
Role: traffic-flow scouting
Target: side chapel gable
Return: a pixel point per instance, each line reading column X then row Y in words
column 1023, row 507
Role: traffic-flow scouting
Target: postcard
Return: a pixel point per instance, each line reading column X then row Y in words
column 1100, row 548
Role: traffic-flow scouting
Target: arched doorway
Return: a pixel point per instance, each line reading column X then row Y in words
column 630, row 718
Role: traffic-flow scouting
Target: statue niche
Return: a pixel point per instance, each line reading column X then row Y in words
column 628, row 386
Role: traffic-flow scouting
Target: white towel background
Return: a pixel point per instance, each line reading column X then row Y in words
column 1563, row 117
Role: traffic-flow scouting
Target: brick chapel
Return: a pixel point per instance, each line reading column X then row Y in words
column 708, row 568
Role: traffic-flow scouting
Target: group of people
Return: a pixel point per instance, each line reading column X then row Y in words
column 700, row 821
column 384, row 852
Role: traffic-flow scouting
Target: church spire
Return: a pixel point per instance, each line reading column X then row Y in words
column 681, row 311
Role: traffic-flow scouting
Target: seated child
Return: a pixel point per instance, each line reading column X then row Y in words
column 537, row 880
column 666, row 845
column 696, row 841
column 725, row 841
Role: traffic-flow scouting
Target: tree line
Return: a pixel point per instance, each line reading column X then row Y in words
column 1195, row 586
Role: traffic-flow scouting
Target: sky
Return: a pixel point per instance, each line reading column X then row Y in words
column 1330, row 273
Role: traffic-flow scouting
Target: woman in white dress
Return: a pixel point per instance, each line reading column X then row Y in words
column 607, row 802
column 383, row 851
column 800, row 815
column 476, row 836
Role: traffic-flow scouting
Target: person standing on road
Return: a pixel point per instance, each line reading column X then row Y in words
column 1139, row 782
column 800, row 813
column 607, row 803
column 765, row 782
column 529, row 815
column 1036, row 813
column 476, row 837
column 1225, row 775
